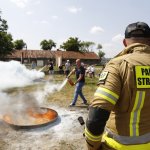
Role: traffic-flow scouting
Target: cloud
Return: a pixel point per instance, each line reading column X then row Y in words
column 96, row 29
column 37, row 2
column 29, row 12
column 118, row 38
column 20, row 3
column 40, row 22
column 74, row 10
column 44, row 22
column 55, row 17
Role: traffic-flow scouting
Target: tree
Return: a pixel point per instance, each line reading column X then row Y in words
column 86, row 46
column 19, row 44
column 101, row 54
column 6, row 44
column 72, row 44
column 3, row 25
column 99, row 47
column 47, row 44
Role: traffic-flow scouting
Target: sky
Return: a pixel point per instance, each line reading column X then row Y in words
column 100, row 21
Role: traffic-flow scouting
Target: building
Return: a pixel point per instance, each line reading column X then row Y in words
column 59, row 57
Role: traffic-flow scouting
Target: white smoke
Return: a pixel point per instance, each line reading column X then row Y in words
column 14, row 74
column 17, row 106
column 49, row 88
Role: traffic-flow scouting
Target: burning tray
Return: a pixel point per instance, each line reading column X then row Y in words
column 32, row 118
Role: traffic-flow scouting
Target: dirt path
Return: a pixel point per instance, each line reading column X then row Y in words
column 64, row 134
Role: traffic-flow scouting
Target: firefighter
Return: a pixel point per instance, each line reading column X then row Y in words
column 119, row 114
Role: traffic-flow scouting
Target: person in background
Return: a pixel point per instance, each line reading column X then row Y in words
column 67, row 68
column 119, row 114
column 82, row 64
column 80, row 80
column 33, row 65
column 89, row 72
column 86, row 71
column 93, row 71
column 51, row 67
column 61, row 71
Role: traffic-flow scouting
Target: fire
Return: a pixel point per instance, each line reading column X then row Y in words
column 42, row 117
column 34, row 117
column 7, row 118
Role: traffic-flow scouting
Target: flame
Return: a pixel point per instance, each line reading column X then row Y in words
column 37, row 117
column 50, row 115
column 7, row 118
column 42, row 117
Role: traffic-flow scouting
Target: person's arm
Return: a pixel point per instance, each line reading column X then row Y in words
column 73, row 71
column 105, row 99
column 94, row 128
column 65, row 66
column 80, row 77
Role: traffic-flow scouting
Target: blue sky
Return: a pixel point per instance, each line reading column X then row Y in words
column 99, row 21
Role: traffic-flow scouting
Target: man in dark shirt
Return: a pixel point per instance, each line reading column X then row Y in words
column 80, row 80
column 51, row 67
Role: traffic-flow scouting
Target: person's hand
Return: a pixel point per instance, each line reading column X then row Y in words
column 68, row 76
column 74, row 83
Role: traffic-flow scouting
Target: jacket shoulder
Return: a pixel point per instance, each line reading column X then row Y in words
column 118, row 60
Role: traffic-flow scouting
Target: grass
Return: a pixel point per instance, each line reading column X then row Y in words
column 65, row 96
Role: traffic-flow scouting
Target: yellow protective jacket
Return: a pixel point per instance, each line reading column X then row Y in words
column 124, row 89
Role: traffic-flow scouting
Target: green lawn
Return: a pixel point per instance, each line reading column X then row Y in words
column 65, row 96
column 62, row 98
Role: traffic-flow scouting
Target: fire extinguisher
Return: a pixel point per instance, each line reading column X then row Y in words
column 70, row 82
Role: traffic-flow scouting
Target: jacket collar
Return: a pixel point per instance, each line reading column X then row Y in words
column 132, row 48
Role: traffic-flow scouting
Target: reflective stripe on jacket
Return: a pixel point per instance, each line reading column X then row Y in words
column 117, row 146
column 118, row 92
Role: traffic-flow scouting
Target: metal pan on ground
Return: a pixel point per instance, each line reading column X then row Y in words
column 32, row 118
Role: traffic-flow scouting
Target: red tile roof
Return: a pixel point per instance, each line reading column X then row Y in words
column 52, row 54
column 31, row 54
column 75, row 55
